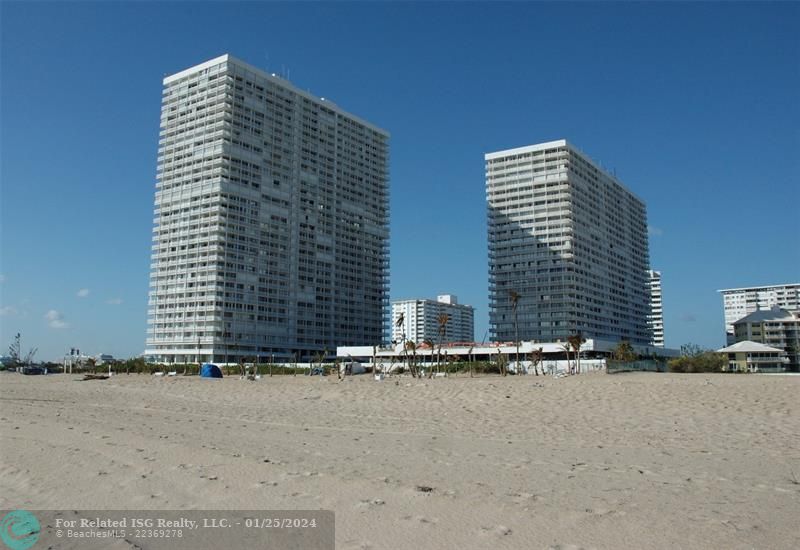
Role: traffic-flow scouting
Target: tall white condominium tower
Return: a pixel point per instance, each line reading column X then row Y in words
column 421, row 320
column 656, row 317
column 740, row 302
column 570, row 242
column 271, row 221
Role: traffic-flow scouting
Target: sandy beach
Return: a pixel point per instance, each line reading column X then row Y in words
column 595, row 461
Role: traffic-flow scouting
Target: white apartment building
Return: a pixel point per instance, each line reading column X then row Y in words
column 656, row 318
column 421, row 320
column 570, row 240
column 739, row 302
column 270, row 230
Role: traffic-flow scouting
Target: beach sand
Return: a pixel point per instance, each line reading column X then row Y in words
column 641, row 460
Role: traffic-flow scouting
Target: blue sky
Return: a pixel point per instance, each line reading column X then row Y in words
column 694, row 105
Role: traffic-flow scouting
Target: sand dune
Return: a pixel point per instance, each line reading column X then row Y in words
column 595, row 461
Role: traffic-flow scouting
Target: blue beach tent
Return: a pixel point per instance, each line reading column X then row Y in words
column 210, row 371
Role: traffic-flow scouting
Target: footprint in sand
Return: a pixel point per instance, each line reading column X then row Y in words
column 266, row 484
column 498, row 530
column 370, row 503
column 358, row 545
column 426, row 521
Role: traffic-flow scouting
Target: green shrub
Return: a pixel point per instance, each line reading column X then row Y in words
column 708, row 361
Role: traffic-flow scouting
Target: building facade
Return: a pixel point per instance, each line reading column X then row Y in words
column 569, row 241
column 420, row 320
column 747, row 356
column 271, row 232
column 776, row 327
column 656, row 318
column 739, row 302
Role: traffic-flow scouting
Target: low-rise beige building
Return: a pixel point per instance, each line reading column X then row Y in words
column 750, row 356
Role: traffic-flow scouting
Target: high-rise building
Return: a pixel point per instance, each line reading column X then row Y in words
column 271, row 230
column 656, row 317
column 739, row 302
column 421, row 320
column 568, row 248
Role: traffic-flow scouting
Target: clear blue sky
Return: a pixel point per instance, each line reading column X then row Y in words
column 696, row 106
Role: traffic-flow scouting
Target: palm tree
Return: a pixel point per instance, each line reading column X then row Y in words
column 455, row 361
column 428, row 342
column 566, row 348
column 576, row 341
column 513, row 295
column 400, row 323
column 623, row 351
column 410, row 345
column 442, row 319
column 536, row 358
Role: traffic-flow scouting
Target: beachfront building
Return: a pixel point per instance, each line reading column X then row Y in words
column 104, row 358
column 75, row 360
column 593, row 352
column 776, row 327
column 738, row 302
column 749, row 356
column 420, row 320
column 568, row 248
column 271, row 221
column 656, row 318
